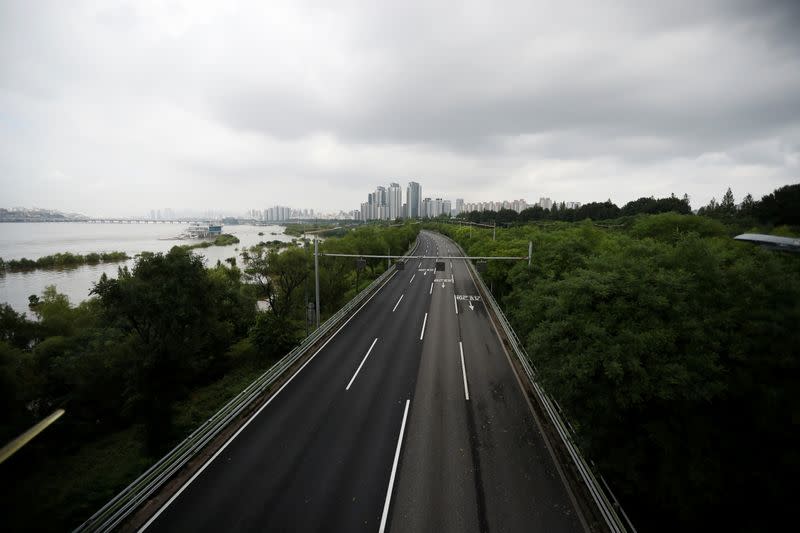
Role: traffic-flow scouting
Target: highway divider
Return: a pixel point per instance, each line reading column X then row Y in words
column 124, row 504
column 607, row 506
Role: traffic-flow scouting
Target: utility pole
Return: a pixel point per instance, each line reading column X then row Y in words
column 388, row 259
column 494, row 232
column 316, row 275
column 530, row 253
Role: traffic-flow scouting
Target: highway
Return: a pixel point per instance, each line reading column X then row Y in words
column 410, row 418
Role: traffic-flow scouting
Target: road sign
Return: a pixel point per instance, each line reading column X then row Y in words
column 481, row 266
column 361, row 264
column 440, row 266
column 400, row 265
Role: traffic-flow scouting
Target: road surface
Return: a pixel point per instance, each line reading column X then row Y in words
column 409, row 419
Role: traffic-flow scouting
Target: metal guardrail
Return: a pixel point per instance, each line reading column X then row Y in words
column 607, row 509
column 130, row 498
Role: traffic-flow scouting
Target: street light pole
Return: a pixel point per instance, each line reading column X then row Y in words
column 530, row 253
column 316, row 274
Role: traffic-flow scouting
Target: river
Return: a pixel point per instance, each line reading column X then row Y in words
column 34, row 240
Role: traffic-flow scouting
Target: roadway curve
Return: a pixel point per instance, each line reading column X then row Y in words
column 326, row 453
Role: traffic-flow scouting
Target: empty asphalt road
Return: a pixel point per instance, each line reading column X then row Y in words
column 409, row 419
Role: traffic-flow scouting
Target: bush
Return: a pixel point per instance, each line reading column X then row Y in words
column 671, row 227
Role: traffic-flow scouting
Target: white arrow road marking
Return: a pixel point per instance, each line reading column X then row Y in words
column 471, row 307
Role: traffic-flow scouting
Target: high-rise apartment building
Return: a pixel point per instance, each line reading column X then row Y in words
column 437, row 207
column 414, row 199
column 395, row 201
column 447, row 207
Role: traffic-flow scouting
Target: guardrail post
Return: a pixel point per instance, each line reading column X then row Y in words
column 530, row 253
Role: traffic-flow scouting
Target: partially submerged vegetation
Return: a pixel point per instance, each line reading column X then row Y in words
column 226, row 239
column 326, row 228
column 61, row 261
column 275, row 243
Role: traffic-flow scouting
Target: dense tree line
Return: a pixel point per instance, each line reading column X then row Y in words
column 781, row 207
column 142, row 344
column 673, row 350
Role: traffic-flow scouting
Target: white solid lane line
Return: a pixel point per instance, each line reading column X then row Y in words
column 431, row 291
column 412, row 278
column 463, row 371
column 394, row 471
column 398, row 302
column 362, row 364
column 455, row 303
column 422, row 333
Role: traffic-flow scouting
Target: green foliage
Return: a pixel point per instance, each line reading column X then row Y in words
column 61, row 261
column 226, row 239
column 17, row 388
column 671, row 227
column 781, row 206
column 167, row 304
column 652, row 206
column 298, row 230
column 272, row 335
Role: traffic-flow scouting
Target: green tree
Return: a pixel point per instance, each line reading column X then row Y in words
column 727, row 206
column 747, row 207
column 781, row 206
column 165, row 301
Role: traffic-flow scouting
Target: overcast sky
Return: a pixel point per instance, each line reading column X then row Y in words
column 117, row 107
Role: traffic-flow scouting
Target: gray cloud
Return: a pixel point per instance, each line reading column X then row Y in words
column 310, row 104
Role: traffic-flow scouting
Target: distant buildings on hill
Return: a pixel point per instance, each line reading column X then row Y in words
column 35, row 214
